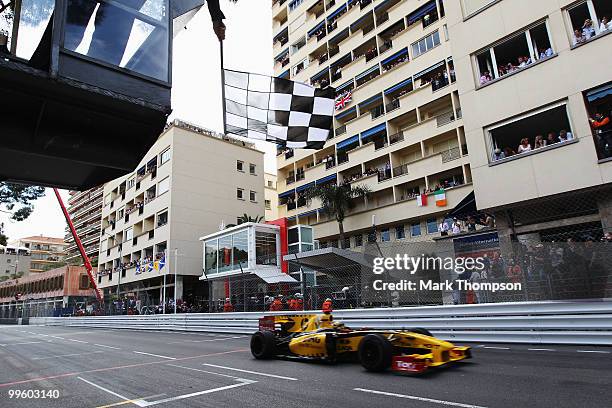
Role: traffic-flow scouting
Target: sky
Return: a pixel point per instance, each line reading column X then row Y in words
column 196, row 90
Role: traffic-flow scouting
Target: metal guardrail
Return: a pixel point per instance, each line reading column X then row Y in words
column 559, row 322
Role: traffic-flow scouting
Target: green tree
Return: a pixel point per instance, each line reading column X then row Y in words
column 18, row 198
column 246, row 218
column 337, row 201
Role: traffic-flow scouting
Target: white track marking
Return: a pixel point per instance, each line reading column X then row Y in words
column 193, row 394
column 110, row 347
column 67, row 355
column 79, row 341
column 20, row 344
column 593, row 351
column 209, row 372
column 60, row 338
column 412, row 397
column 252, row 372
column 155, row 355
column 497, row 348
column 540, row 349
column 207, row 340
column 137, row 402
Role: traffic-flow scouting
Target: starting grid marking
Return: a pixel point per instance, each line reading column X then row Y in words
column 415, row 398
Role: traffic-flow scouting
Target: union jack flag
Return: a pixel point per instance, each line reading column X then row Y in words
column 344, row 100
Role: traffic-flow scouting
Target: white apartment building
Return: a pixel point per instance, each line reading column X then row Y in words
column 191, row 180
column 85, row 209
column 271, row 197
column 401, row 134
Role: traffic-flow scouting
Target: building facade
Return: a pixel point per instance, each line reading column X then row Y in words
column 85, row 209
column 14, row 262
column 56, row 292
column 398, row 124
column 191, row 180
column 271, row 197
column 523, row 80
column 45, row 252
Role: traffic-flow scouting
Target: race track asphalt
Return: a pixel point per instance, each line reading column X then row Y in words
column 103, row 368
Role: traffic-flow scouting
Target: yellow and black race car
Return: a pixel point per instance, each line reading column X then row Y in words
column 318, row 337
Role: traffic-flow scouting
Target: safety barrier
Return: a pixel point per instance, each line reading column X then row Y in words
column 558, row 322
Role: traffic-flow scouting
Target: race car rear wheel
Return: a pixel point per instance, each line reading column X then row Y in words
column 375, row 352
column 422, row 331
column 263, row 344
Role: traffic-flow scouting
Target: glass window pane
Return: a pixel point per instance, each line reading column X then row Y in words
column 34, row 18
column 293, row 236
column 307, row 235
column 265, row 248
column 225, row 254
column 134, row 37
column 210, row 257
column 241, row 249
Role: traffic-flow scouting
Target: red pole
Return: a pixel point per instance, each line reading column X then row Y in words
column 77, row 240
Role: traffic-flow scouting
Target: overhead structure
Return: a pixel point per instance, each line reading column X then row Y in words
column 85, row 86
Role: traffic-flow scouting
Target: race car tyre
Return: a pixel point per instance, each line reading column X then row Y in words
column 422, row 331
column 263, row 345
column 375, row 352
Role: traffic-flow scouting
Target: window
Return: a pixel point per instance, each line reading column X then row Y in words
column 586, row 20
column 296, row 46
column 399, row 232
column 240, row 193
column 358, row 240
column 473, row 6
column 531, row 132
column 163, row 186
column 265, row 248
column 162, row 218
column 131, row 183
column 164, row 156
column 372, row 237
column 415, row 229
column 425, row 44
column 300, row 66
column 598, row 104
column 385, row 235
column 294, row 4
column 514, row 54
column 432, row 226
column 239, row 165
column 252, row 168
column 253, row 196
column 347, row 242
column 129, row 234
column 270, row 184
column 83, row 282
column 268, row 204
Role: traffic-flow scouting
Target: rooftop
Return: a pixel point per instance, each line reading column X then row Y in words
column 43, row 239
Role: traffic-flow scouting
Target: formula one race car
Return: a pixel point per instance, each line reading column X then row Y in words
column 318, row 337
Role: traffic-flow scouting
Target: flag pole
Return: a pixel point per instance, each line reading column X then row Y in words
column 223, row 88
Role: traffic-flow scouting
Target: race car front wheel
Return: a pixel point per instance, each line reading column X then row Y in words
column 375, row 352
column 263, row 344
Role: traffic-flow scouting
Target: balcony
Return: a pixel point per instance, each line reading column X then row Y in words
column 290, row 180
column 396, row 138
column 400, row 170
column 451, row 154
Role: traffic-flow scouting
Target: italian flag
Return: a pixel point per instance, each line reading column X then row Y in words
column 421, row 200
column 440, row 198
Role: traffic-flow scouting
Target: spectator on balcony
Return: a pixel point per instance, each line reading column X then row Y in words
column 523, row 62
column 456, row 226
column 551, row 139
column 508, row 151
column 539, row 142
column 443, row 228
column 588, row 30
column 486, row 77
column 545, row 53
column 471, row 224
column 579, row 37
column 605, row 24
column 525, row 146
column 498, row 154
column 388, row 170
column 564, row 135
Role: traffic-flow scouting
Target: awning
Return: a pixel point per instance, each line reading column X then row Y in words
column 272, row 274
column 292, row 218
column 284, row 74
column 370, row 101
column 395, row 56
column 373, row 131
column 277, row 36
column 348, row 142
column 344, row 85
column 421, row 12
column 384, row 3
column 346, row 113
column 326, row 179
column 428, row 70
column 338, row 11
column 281, row 55
column 319, row 74
column 304, row 187
column 398, row 86
column 286, row 194
column 599, row 93
column 316, row 28
column 307, row 213
column 341, row 60
column 466, row 207
column 367, row 72
column 357, row 23
column 340, row 34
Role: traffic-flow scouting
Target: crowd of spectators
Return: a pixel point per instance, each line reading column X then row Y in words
column 538, row 142
column 508, row 68
column 395, row 63
column 587, row 31
column 437, row 80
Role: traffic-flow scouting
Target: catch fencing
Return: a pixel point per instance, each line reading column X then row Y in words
column 552, row 322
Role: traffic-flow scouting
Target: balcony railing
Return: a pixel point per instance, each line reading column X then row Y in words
column 400, row 170
column 300, row 176
column 290, row 180
column 384, row 175
column 398, row 137
column 341, row 130
column 445, row 119
column 451, row 154
column 393, row 105
column 377, row 112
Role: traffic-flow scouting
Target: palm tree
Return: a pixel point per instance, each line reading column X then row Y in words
column 337, row 201
column 246, row 218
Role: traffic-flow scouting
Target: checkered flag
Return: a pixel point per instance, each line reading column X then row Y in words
column 291, row 114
